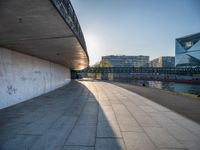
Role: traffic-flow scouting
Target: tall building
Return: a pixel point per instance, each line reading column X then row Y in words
column 163, row 61
column 127, row 61
column 188, row 50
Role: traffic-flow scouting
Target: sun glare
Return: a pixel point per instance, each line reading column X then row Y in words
column 92, row 41
column 93, row 47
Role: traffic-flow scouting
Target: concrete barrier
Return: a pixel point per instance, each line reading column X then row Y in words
column 23, row 77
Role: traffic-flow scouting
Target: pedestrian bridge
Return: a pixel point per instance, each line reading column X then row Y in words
column 174, row 70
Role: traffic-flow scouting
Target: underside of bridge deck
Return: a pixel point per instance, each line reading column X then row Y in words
column 39, row 28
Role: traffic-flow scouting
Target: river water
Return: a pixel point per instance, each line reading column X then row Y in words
column 171, row 86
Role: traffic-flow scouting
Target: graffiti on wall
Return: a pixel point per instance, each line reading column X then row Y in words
column 11, row 90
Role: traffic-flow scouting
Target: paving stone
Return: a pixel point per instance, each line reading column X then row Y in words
column 90, row 120
column 148, row 109
column 181, row 133
column 64, row 121
column 130, row 105
column 172, row 149
column 145, row 120
column 136, row 100
column 30, row 117
column 74, row 111
column 121, row 111
column 160, row 108
column 106, row 115
column 53, row 139
column 114, row 101
column 90, row 108
column 40, row 126
column 160, row 118
column 8, row 131
column 109, row 144
column 189, row 125
column 92, row 99
column 191, row 145
column 78, row 148
column 21, row 142
column 162, row 138
column 82, row 135
column 173, row 115
column 129, row 125
column 125, row 119
column 108, row 129
column 104, row 102
column 138, row 141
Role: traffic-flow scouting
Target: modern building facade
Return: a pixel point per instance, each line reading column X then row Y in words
column 127, row 61
column 40, row 43
column 163, row 61
column 188, row 51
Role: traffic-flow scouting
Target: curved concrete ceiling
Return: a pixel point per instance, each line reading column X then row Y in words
column 35, row 27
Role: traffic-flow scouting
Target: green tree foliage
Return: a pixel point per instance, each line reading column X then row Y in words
column 102, row 63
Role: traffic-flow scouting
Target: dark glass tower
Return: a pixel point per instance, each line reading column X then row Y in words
column 188, row 50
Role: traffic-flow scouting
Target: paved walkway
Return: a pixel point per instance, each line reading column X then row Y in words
column 186, row 106
column 90, row 115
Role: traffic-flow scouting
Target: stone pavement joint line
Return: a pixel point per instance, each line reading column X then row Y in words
column 94, row 115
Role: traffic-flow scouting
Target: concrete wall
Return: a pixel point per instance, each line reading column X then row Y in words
column 23, row 77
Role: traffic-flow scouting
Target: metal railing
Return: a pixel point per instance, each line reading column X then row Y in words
column 152, row 70
column 67, row 12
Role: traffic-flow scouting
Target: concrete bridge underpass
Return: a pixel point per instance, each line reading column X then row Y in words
column 41, row 41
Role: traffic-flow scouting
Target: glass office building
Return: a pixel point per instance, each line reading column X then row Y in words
column 188, row 51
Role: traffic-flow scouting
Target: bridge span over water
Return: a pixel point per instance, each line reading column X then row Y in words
column 152, row 70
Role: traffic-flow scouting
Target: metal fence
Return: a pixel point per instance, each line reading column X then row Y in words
column 67, row 12
column 151, row 70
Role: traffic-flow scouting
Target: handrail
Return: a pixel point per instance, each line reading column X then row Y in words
column 66, row 10
column 165, row 70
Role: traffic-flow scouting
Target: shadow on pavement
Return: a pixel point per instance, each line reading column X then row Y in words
column 69, row 118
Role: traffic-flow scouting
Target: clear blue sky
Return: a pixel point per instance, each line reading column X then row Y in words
column 136, row 27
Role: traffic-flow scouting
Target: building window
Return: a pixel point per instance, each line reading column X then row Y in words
column 188, row 44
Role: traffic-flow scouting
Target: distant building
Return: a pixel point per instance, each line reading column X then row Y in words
column 127, row 61
column 164, row 61
column 188, row 50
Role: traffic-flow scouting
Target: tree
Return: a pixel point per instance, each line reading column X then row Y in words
column 102, row 63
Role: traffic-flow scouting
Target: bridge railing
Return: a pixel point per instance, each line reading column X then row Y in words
column 181, row 71
column 67, row 12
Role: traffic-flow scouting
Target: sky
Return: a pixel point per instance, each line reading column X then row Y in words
column 135, row 27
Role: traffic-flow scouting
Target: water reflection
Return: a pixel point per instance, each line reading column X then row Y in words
column 171, row 86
